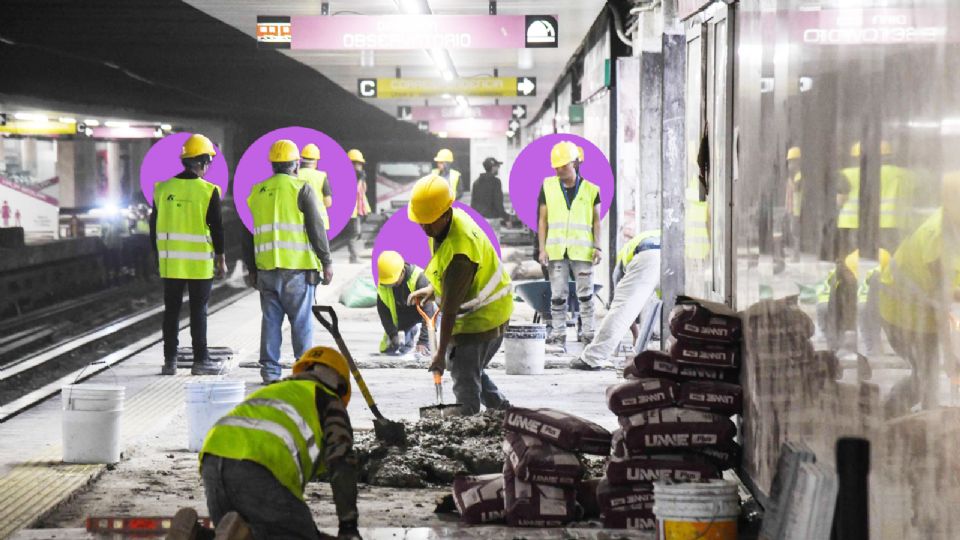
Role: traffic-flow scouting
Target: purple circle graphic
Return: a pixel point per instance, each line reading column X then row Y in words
column 532, row 167
column 408, row 239
column 254, row 167
column 162, row 162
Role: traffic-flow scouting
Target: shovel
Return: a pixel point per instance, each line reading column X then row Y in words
column 439, row 410
column 391, row 433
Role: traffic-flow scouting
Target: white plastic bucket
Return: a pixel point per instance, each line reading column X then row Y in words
column 524, row 346
column 91, row 423
column 207, row 402
column 696, row 510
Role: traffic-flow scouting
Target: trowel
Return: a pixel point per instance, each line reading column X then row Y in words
column 439, row 410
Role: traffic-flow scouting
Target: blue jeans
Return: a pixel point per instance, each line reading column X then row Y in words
column 283, row 292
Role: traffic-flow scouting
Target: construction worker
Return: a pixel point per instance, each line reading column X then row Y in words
column 568, row 237
column 848, row 201
column 896, row 198
column 287, row 251
column 187, row 231
column 317, row 179
column 468, row 277
column 257, row 459
column 444, row 161
column 794, row 198
column 636, row 279
column 361, row 207
column 401, row 321
column 487, row 193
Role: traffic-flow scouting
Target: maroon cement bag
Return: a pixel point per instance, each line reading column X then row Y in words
column 692, row 318
column 535, row 505
column 726, row 456
column 718, row 397
column 630, row 518
column 587, row 498
column 640, row 395
column 613, row 497
column 560, row 429
column 660, row 430
column 704, row 353
column 539, row 462
column 657, row 467
column 479, row 498
column 658, row 364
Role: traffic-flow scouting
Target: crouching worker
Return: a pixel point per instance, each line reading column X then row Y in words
column 257, row 460
column 401, row 322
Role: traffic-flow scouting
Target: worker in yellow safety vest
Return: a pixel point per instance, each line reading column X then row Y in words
column 848, row 201
column 794, row 197
column 257, row 459
column 897, row 186
column 187, row 231
column 473, row 289
column 361, row 206
column 286, row 254
column 317, row 179
column 444, row 161
column 568, row 234
column 401, row 322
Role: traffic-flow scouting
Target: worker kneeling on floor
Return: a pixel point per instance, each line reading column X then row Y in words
column 475, row 294
column 257, row 460
column 401, row 322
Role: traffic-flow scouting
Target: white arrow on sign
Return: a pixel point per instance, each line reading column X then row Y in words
column 514, row 125
column 526, row 86
column 519, row 111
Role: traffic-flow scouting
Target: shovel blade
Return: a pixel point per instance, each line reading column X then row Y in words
column 441, row 411
column 391, row 433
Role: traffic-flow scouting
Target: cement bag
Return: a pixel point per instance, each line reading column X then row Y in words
column 639, row 518
column 704, row 353
column 659, row 467
column 640, row 395
column 535, row 505
column 660, row 430
column 658, row 364
column 725, row 456
column 717, row 397
column 587, row 498
column 539, row 462
column 692, row 318
column 561, row 429
column 360, row 293
column 612, row 497
column 479, row 499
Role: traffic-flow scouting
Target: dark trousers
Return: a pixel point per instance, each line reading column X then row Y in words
column 270, row 509
column 172, row 300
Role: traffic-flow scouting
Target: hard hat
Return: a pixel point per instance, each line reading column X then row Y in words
column 325, row 356
column 283, row 151
column 444, row 155
column 885, row 148
column 793, row 153
column 389, row 267
column 356, row 155
column 562, row 153
column 852, row 261
column 197, row 145
column 431, row 197
column 310, row 151
column 884, row 258
column 855, row 149
column 580, row 153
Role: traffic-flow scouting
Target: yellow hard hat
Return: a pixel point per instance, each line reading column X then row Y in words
column 356, row 155
column 852, row 261
column 444, row 155
column 326, row 356
column 283, row 151
column 197, row 145
column 562, row 153
column 310, row 151
column 886, row 149
column 389, row 267
column 884, row 258
column 793, row 153
column 431, row 197
column 855, row 149
column 580, row 153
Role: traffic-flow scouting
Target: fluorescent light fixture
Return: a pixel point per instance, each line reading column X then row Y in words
column 31, row 117
column 446, row 96
column 166, row 127
column 442, row 134
column 116, row 124
column 91, row 122
column 67, row 120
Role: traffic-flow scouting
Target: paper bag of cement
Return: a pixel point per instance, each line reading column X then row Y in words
column 639, row 517
column 704, row 353
column 536, row 505
column 664, row 429
column 657, row 467
column 640, row 395
column 558, row 428
column 658, row 364
column 587, row 498
column 776, row 317
column 540, row 462
column 479, row 499
column 614, row 497
column 718, row 397
column 698, row 319
column 726, row 456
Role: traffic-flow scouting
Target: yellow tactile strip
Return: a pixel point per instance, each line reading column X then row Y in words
column 37, row 486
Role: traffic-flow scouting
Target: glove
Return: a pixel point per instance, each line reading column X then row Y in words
column 348, row 531
column 396, row 341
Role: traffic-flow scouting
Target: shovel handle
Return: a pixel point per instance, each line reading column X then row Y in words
column 430, row 321
column 332, row 324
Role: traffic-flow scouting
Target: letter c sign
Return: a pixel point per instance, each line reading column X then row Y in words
column 367, row 88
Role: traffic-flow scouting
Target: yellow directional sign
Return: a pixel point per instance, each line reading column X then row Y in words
column 386, row 88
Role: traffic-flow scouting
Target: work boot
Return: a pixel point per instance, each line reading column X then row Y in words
column 184, row 525
column 233, row 527
column 206, row 367
column 169, row 366
column 579, row 363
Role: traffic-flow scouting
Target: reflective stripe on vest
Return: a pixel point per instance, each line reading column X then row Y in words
column 849, row 217
column 184, row 245
column 316, row 179
column 569, row 230
column 280, row 238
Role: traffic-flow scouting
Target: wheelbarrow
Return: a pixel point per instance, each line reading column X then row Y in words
column 537, row 294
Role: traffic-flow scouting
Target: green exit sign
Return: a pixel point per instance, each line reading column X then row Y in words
column 576, row 114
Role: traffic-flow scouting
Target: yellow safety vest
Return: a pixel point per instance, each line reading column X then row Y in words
column 385, row 292
column 850, row 211
column 896, row 185
column 454, row 179
column 797, row 194
column 696, row 235
column 184, row 246
column 570, row 230
column 489, row 301
column 279, row 235
column 277, row 427
column 626, row 254
column 316, row 179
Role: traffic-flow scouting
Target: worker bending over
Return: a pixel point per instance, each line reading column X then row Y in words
column 401, row 321
column 466, row 275
column 317, row 179
column 444, row 161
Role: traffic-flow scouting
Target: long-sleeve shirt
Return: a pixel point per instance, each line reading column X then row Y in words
column 312, row 221
column 214, row 219
column 407, row 316
column 487, row 198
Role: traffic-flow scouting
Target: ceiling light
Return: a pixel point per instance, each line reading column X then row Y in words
column 91, row 122
column 442, row 134
column 67, row 120
column 31, row 117
column 166, row 127
column 446, row 96
column 116, row 124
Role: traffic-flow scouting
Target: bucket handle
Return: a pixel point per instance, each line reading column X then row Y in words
column 80, row 374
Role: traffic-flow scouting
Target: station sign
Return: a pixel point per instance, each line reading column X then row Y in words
column 470, row 128
column 880, row 26
column 391, row 88
column 490, row 112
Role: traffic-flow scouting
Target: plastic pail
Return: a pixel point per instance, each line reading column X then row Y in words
column 524, row 346
column 207, row 402
column 697, row 510
column 91, row 423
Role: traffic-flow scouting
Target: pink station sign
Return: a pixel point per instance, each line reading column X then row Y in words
column 487, row 112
